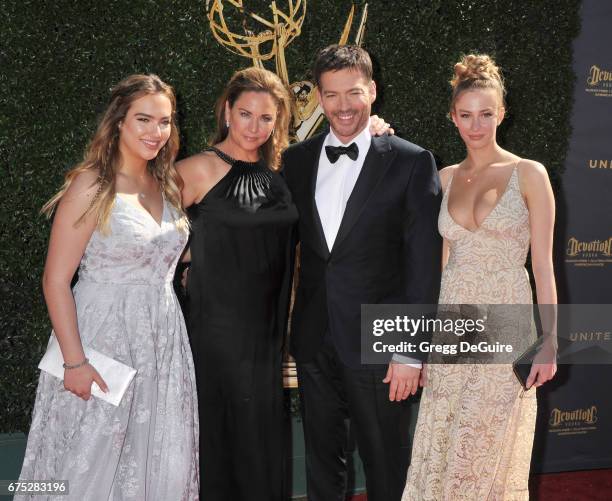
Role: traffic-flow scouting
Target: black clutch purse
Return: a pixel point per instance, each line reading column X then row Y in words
column 522, row 365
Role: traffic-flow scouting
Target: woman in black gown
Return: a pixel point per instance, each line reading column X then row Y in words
column 239, row 287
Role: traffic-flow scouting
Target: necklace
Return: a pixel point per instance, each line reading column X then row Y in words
column 469, row 177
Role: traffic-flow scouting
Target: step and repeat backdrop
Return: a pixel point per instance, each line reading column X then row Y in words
column 574, row 429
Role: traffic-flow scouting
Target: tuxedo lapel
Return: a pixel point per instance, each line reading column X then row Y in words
column 375, row 165
column 312, row 162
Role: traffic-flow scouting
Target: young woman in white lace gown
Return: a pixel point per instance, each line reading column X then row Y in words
column 119, row 219
column 475, row 428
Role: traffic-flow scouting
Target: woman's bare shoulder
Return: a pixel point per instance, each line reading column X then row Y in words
column 200, row 166
column 531, row 168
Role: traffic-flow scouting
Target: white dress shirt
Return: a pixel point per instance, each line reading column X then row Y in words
column 335, row 183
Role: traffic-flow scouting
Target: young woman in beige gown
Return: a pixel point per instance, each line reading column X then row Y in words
column 475, row 428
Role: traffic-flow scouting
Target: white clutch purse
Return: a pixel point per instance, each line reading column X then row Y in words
column 117, row 376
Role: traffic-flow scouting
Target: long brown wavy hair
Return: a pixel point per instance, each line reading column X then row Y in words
column 103, row 156
column 258, row 80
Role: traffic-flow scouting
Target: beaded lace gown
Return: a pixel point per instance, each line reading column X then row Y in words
column 147, row 447
column 474, row 432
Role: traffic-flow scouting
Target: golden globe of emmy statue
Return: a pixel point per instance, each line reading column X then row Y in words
column 262, row 39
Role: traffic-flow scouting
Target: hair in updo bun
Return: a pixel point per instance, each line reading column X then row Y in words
column 477, row 71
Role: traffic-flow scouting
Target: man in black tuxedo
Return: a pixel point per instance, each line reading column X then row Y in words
column 368, row 234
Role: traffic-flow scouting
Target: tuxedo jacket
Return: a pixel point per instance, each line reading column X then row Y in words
column 387, row 250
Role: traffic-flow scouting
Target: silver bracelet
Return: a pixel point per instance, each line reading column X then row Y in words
column 76, row 366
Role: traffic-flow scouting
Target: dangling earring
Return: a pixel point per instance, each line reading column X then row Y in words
column 227, row 123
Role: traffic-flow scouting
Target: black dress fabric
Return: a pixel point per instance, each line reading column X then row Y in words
column 239, row 287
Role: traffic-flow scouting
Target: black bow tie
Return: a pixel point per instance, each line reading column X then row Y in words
column 334, row 152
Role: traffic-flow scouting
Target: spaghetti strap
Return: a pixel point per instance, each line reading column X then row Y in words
column 450, row 181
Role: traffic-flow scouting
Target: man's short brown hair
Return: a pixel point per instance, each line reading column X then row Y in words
column 339, row 57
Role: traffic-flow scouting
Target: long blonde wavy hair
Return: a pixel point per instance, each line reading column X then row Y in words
column 103, row 156
column 258, row 80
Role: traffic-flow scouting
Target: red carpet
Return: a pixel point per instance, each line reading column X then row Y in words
column 592, row 485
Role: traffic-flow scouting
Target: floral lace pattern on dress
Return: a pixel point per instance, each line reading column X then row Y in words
column 147, row 447
column 475, row 427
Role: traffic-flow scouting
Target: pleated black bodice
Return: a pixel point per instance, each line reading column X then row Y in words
column 239, row 279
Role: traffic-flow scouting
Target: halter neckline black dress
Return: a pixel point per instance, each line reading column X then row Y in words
column 239, row 286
